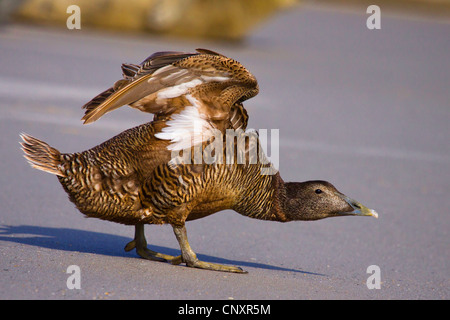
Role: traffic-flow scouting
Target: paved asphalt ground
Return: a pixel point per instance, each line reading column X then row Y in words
column 368, row 110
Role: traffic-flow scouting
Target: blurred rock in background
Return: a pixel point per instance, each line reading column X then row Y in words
column 223, row 19
column 217, row 19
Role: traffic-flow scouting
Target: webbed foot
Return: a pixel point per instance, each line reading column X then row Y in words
column 140, row 244
column 190, row 258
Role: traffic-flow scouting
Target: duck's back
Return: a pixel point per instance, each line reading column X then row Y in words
column 105, row 182
column 203, row 189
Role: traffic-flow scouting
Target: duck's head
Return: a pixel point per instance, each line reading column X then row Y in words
column 313, row 200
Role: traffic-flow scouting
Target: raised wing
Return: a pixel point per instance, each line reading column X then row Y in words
column 193, row 92
column 134, row 86
column 158, row 83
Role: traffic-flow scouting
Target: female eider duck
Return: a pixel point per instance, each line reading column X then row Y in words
column 135, row 179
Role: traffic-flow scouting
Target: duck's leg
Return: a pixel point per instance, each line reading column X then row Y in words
column 189, row 256
column 140, row 243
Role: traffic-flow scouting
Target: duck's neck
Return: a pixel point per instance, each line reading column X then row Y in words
column 279, row 210
column 266, row 201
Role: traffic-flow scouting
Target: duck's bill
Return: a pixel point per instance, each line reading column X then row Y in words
column 359, row 209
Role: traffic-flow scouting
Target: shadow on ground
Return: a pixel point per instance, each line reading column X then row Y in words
column 102, row 243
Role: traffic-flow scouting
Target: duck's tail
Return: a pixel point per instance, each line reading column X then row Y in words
column 41, row 156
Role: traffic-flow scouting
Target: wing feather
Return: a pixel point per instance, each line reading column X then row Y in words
column 205, row 88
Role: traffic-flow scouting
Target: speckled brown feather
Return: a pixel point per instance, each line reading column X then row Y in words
column 205, row 189
column 216, row 81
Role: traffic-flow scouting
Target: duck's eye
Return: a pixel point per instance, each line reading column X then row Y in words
column 318, row 191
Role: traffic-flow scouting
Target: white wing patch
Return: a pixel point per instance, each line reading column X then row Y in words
column 183, row 80
column 186, row 128
column 178, row 90
column 215, row 78
column 189, row 127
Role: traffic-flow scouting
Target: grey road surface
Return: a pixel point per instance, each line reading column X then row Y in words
column 368, row 110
